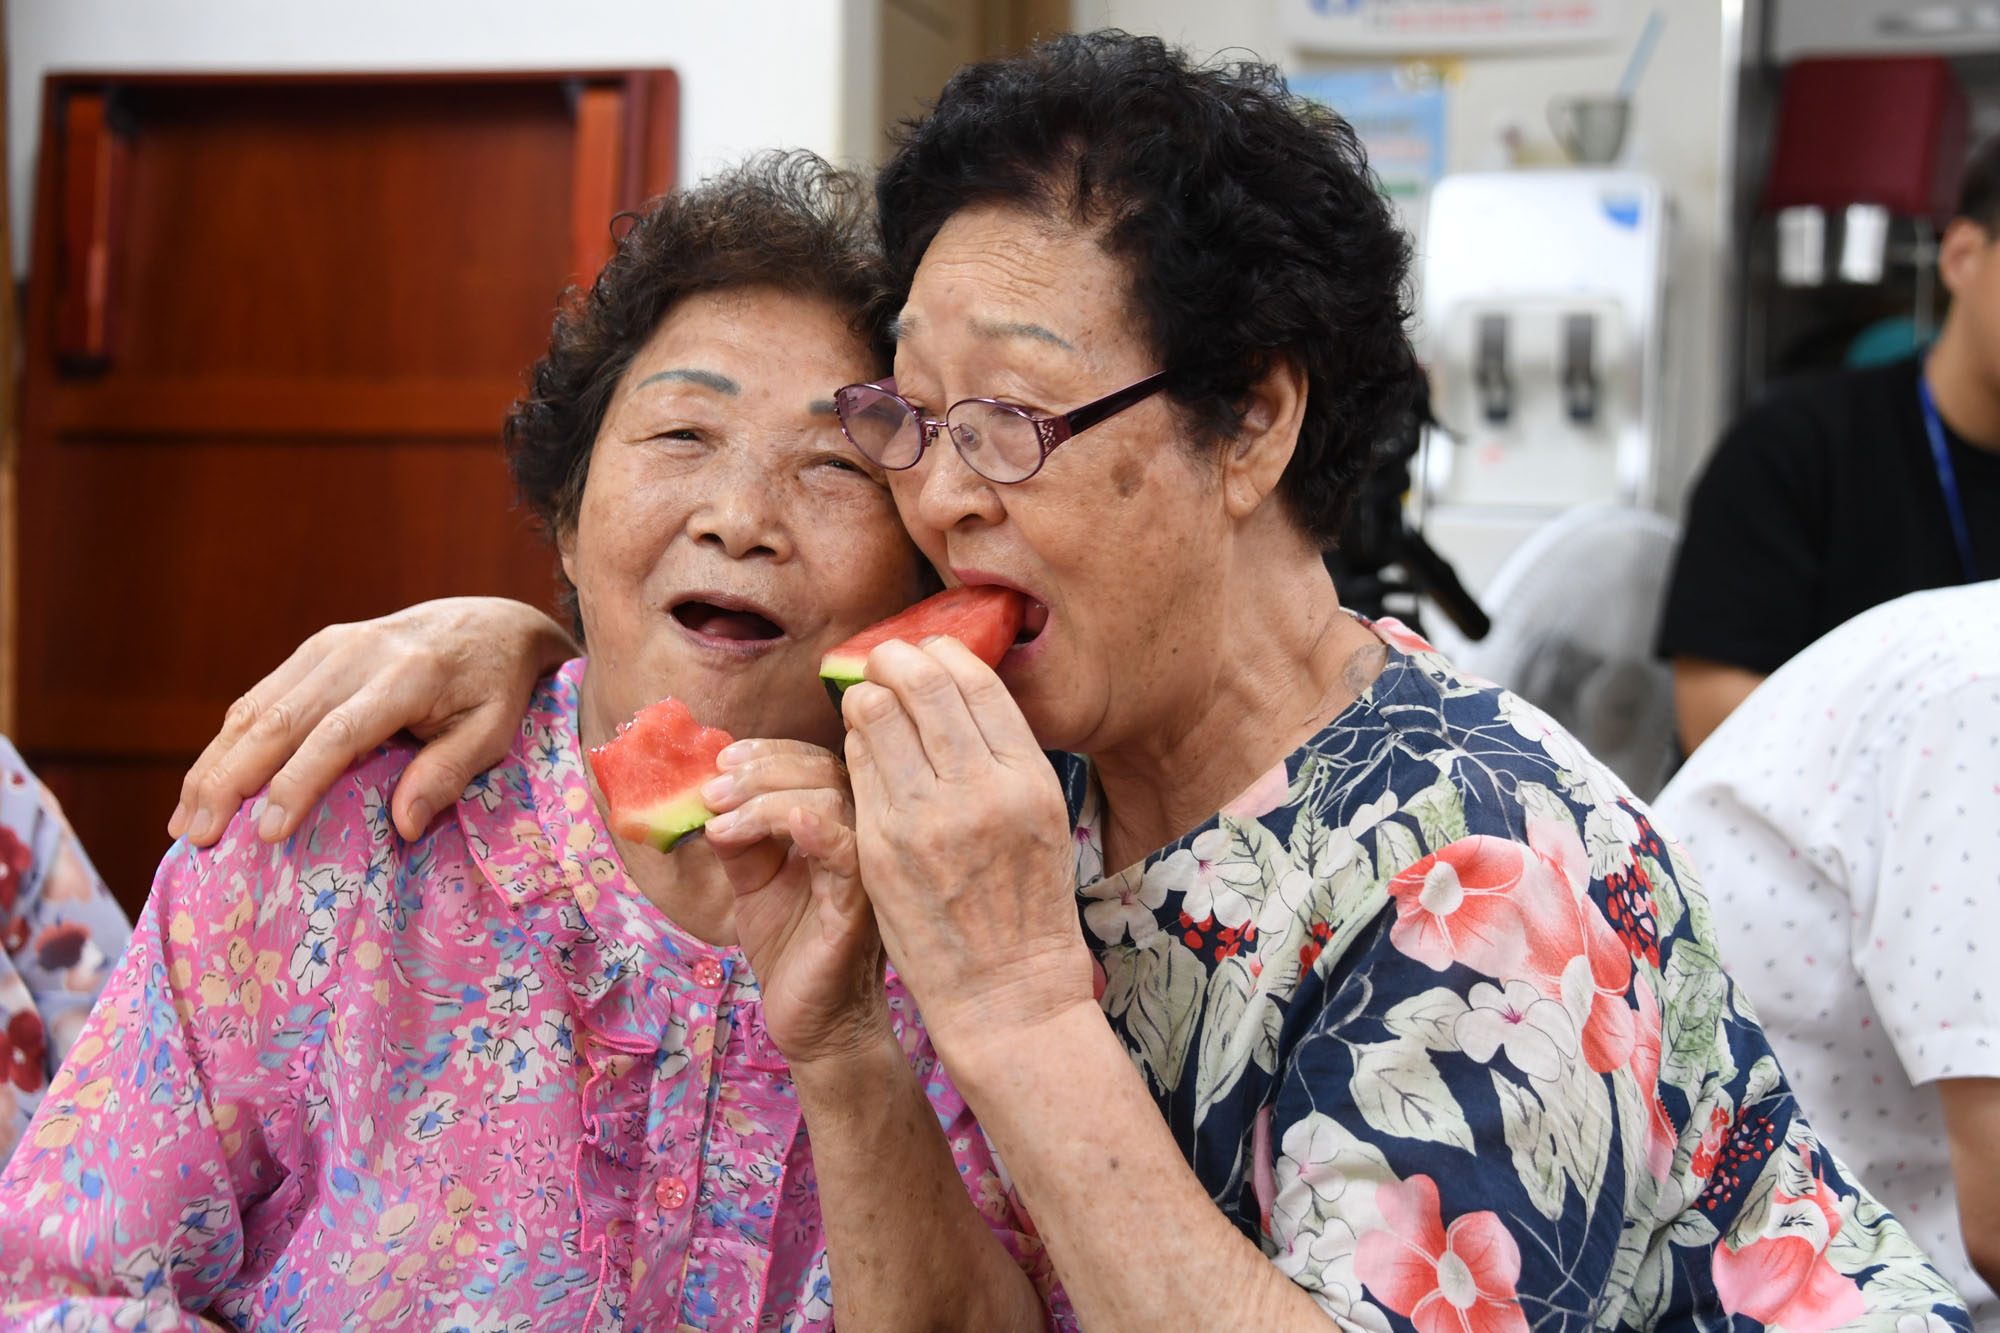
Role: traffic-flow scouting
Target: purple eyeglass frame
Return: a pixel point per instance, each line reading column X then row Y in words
column 1051, row 432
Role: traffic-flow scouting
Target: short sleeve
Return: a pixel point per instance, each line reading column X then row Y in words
column 1748, row 574
column 1927, row 954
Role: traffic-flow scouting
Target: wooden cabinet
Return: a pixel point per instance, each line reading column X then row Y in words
column 272, row 327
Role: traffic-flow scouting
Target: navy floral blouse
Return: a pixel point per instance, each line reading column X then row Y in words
column 1434, row 1011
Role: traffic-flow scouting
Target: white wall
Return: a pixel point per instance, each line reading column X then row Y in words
column 753, row 73
column 1204, row 27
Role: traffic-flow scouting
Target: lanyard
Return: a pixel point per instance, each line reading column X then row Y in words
column 1947, row 478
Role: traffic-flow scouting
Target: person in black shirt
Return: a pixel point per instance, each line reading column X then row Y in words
column 1825, row 497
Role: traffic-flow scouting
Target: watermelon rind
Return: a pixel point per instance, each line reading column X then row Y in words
column 837, row 672
column 950, row 613
column 665, row 824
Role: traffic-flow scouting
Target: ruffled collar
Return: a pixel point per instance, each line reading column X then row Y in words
column 532, row 826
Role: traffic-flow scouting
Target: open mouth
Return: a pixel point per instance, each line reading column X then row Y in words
column 727, row 622
column 1033, row 623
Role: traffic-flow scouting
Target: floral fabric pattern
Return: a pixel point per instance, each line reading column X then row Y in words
column 1434, row 1012
column 475, row 1082
column 61, row 932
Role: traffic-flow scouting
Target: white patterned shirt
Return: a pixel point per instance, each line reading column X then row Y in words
column 1846, row 819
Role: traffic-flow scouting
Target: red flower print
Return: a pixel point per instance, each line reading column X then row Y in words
column 1457, row 906
column 23, row 1049
column 1459, row 1280
column 15, row 860
column 1710, row 1147
column 1783, row 1277
column 61, row 946
column 1398, row 635
column 1576, row 957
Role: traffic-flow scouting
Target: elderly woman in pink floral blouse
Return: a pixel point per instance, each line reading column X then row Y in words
column 517, row 1072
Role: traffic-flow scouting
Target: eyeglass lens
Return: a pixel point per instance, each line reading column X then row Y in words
column 996, row 441
column 879, row 425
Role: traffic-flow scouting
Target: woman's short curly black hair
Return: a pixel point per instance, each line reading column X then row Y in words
column 1252, row 227
column 788, row 221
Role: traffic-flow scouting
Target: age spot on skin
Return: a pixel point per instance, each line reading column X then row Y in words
column 1128, row 478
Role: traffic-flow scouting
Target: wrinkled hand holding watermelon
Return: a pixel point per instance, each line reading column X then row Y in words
column 985, row 619
column 651, row 774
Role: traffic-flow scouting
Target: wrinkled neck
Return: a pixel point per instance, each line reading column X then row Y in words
column 1287, row 660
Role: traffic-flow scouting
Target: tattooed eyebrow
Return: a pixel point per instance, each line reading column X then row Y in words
column 1011, row 329
column 707, row 379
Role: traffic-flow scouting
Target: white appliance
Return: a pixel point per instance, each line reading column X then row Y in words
column 1542, row 308
column 1574, row 611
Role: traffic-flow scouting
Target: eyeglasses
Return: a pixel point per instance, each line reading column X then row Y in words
column 1001, row 442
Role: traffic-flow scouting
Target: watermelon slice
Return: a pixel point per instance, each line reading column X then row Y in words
column 651, row 774
column 984, row 619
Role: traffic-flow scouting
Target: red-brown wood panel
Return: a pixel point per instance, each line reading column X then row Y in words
column 268, row 346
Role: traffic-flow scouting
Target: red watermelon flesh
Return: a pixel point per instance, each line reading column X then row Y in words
column 985, row 619
column 651, row 774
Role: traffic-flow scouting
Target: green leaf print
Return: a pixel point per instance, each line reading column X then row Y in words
column 1396, row 849
column 1692, row 1230
column 1667, row 909
column 1694, row 898
column 1309, row 843
column 1430, row 1018
column 1439, row 810
column 1763, row 1081
column 1651, row 1277
column 1581, row 1124
column 1399, row 1091
column 1250, row 841
column 1539, row 803
column 1526, row 1129
column 1694, row 995
column 1872, row 1236
column 1230, row 1030
column 1156, row 989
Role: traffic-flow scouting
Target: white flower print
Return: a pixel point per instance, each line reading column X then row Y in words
column 141, row 1270
column 521, row 1064
column 326, row 894
column 556, row 1039
column 1210, row 884
column 1535, row 1033
column 1326, row 1181
column 1122, row 905
column 467, row 1318
column 1287, row 902
column 510, row 990
column 484, row 791
column 1089, row 853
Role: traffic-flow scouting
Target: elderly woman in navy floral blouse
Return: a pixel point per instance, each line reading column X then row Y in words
column 1393, row 1007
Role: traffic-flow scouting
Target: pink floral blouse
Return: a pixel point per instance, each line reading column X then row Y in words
column 475, row 1082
